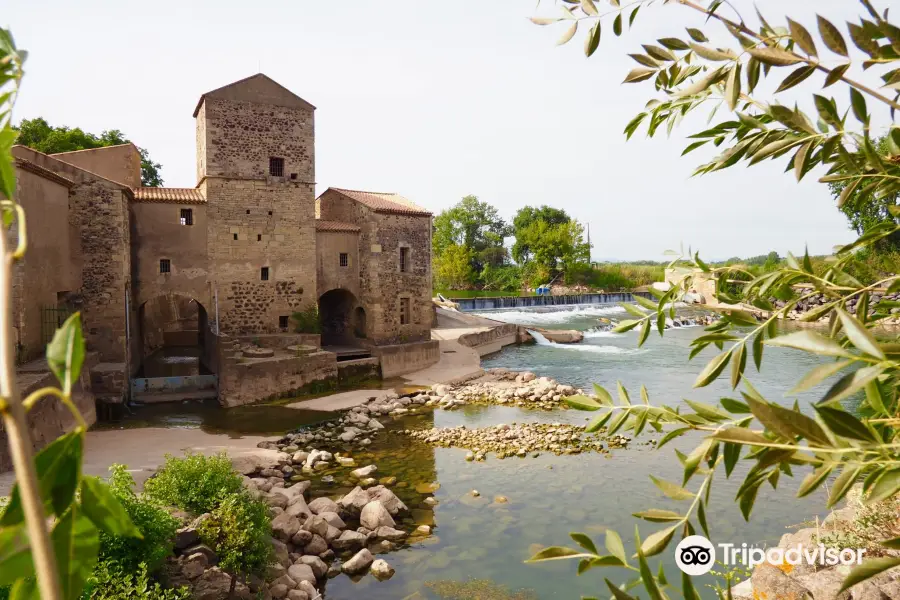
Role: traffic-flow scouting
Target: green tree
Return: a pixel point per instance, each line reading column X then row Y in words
column 453, row 268
column 525, row 218
column 477, row 226
column 40, row 135
column 554, row 246
column 777, row 441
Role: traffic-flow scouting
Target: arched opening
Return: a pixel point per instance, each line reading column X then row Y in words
column 359, row 322
column 339, row 316
column 172, row 334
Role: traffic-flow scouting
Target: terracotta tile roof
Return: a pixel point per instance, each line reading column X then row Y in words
column 384, row 202
column 336, row 226
column 176, row 195
column 27, row 165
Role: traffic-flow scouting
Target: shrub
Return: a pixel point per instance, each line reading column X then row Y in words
column 195, row 483
column 155, row 524
column 307, row 320
column 112, row 581
column 239, row 530
column 871, row 525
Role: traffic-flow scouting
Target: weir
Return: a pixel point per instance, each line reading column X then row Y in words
column 468, row 304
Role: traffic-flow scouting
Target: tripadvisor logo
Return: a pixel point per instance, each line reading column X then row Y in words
column 695, row 555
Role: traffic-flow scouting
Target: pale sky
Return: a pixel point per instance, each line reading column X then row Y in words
column 434, row 100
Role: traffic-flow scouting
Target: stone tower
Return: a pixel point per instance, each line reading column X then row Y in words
column 256, row 168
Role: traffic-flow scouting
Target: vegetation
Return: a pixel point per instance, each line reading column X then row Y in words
column 307, row 320
column 871, row 524
column 821, row 440
column 40, row 135
column 195, row 483
column 477, row 589
column 112, row 581
column 157, row 528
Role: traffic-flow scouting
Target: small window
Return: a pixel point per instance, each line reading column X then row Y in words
column 344, row 259
column 258, row 237
column 248, row 211
column 404, row 260
column 264, row 273
column 270, row 213
column 187, row 216
column 235, row 236
column 283, row 322
column 165, row 265
column 276, row 166
column 404, row 311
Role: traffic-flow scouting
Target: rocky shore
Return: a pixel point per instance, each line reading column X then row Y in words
column 878, row 303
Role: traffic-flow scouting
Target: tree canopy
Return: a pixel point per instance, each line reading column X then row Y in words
column 38, row 134
column 475, row 225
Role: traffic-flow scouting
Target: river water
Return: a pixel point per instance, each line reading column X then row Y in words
column 477, row 539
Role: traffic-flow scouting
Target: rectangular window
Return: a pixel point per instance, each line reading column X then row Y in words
column 235, row 237
column 404, row 260
column 344, row 259
column 283, row 322
column 264, row 273
column 276, row 166
column 187, row 216
column 258, row 237
column 404, row 311
column 165, row 265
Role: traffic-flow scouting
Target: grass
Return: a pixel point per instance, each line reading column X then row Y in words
column 454, row 294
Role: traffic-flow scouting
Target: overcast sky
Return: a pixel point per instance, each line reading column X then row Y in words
column 434, row 100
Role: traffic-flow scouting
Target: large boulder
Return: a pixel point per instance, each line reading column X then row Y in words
column 284, row 526
column 375, row 515
column 771, row 582
column 354, row 501
column 333, row 519
column 252, row 460
column 359, row 563
column 391, row 534
column 349, row 540
column 381, row 569
column 318, row 566
column 323, row 505
column 186, row 537
column 388, row 499
column 295, row 491
column 280, row 550
column 316, row 546
column 215, row 584
column 298, row 508
column 301, row 572
column 316, row 524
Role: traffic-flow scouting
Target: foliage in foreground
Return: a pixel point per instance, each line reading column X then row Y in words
column 157, row 528
column 307, row 320
column 195, row 483
column 112, row 581
column 239, row 531
column 860, row 446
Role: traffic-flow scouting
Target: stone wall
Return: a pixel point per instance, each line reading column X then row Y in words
column 121, row 163
column 256, row 380
column 280, row 341
column 157, row 233
column 166, row 314
column 491, row 340
column 401, row 359
column 329, row 272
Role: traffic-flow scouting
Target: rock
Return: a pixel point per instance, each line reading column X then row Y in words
column 388, row 499
column 423, row 529
column 333, row 519
column 215, row 584
column 286, row 581
column 428, row 488
column 248, row 462
column 279, row 591
column 389, row 533
column 476, row 493
column 276, row 500
column 375, row 515
column 374, row 425
column 359, row 563
column 363, row 472
column 297, row 595
column 302, row 538
column 316, row 546
column 309, row 589
column 354, row 501
column 322, row 505
column 316, row 524
column 500, row 499
column 333, row 571
column 301, row 572
column 387, row 481
column 381, row 569
column 318, row 566
column 349, row 540
column 430, row 501
column 211, row 557
column 194, row 565
column 331, row 534
column 346, row 461
column 274, row 571
column 285, row 526
column 349, row 435
column 295, row 492
column 771, row 582
column 367, row 482
column 299, row 457
column 824, row 584
column 186, row 536
column 280, row 550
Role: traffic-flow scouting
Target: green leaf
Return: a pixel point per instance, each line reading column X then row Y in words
column 835, row 74
column 592, row 41
column 614, row 545
column 657, row 515
column 893, row 543
column 701, row 516
column 623, row 393
column 645, row 332
column 868, row 569
column 810, row 341
column 58, row 467
column 819, row 374
column 657, row 541
column 731, row 455
column 687, row 587
column 788, row 423
column 851, row 383
column 65, row 352
column 734, row 406
column 671, row 435
column 105, row 510
column 582, row 402
column 647, row 575
column 747, row 500
column 557, row 553
column 875, row 397
column 843, row 483
column 858, row 335
column 76, row 543
column 887, row 484
column 707, row 411
column 844, row 424
column 636, row 75
column 758, row 349
column 737, row 364
column 712, row 53
column 733, row 86
column 800, row 35
column 712, row 370
column 773, row 56
column 568, row 34
column 601, row 561
column 796, row 76
column 598, row 422
column 617, row 24
column 832, row 37
column 15, row 554
column 584, row 541
column 672, row 490
column 697, row 35
column 25, row 589
column 626, row 325
column 616, row 592
column 602, row 395
column 742, row 435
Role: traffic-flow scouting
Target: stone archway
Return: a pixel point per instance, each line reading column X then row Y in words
column 172, row 333
column 339, row 317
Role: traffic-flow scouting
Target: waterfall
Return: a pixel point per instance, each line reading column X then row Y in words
column 539, row 338
column 473, row 304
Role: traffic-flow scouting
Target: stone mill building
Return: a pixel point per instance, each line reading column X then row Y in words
column 222, row 267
